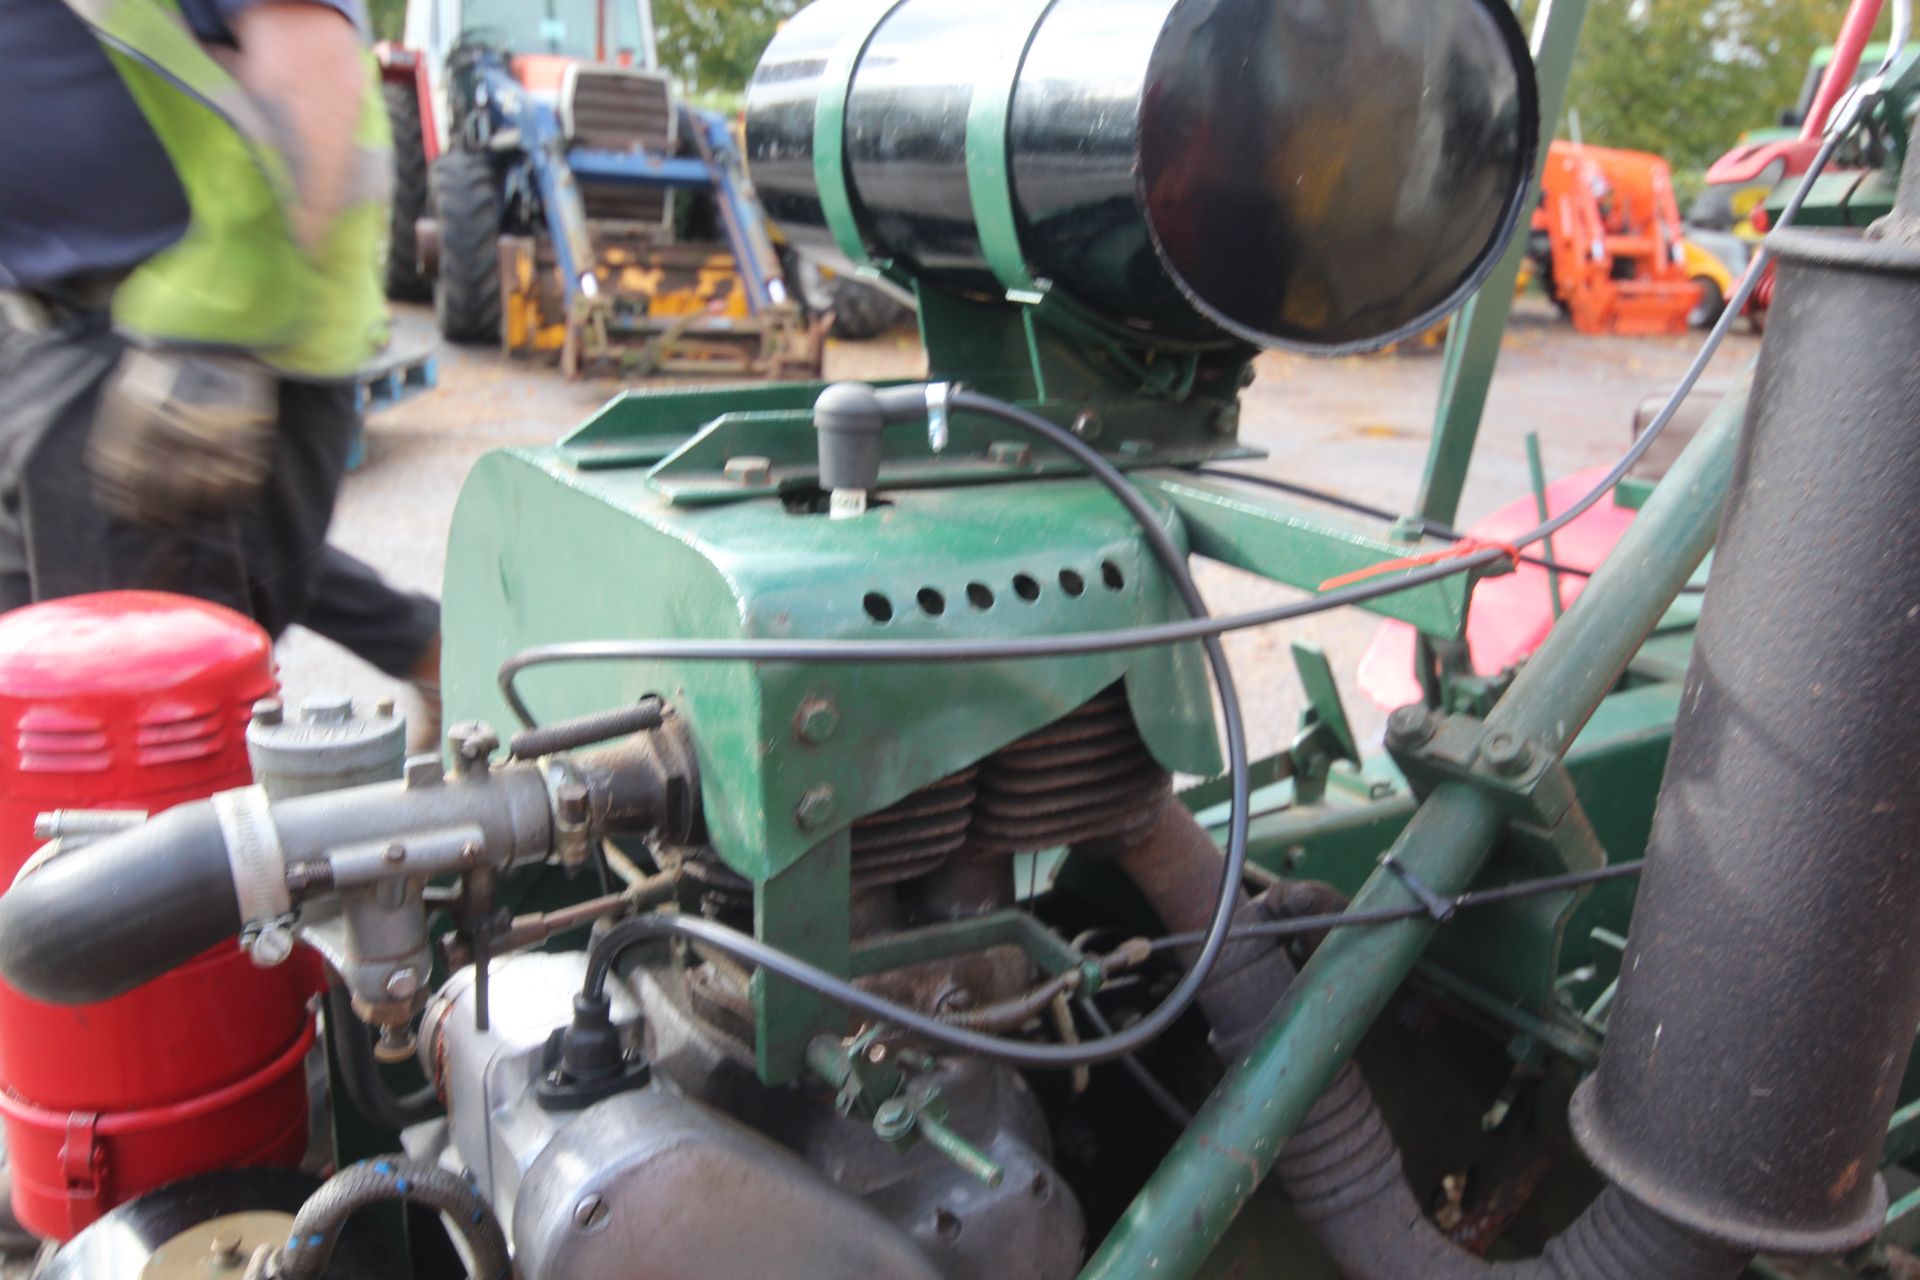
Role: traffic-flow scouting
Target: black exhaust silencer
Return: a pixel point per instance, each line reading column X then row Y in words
column 1771, row 986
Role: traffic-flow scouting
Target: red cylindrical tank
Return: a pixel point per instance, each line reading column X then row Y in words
column 137, row 700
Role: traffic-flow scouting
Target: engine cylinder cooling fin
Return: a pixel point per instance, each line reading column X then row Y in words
column 916, row 835
column 1087, row 776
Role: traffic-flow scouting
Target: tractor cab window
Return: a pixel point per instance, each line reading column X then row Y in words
column 591, row 30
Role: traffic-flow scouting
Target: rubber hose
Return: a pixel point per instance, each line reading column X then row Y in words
column 385, row 1179
column 97, row 922
column 360, row 1076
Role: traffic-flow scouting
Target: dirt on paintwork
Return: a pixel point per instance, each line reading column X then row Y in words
column 1356, row 425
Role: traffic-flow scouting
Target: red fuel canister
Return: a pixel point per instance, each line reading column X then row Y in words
column 137, row 700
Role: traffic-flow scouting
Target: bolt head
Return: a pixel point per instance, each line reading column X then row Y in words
column 396, row 853
column 816, row 721
column 403, row 984
column 1009, row 453
column 892, row 1118
column 570, row 801
column 269, row 711
column 815, row 809
column 1409, row 726
column 591, row 1213
column 1087, row 425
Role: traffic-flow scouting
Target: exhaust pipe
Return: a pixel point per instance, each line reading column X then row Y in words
column 1771, row 985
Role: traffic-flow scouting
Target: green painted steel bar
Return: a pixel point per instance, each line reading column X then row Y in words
column 989, row 166
column 1179, row 1216
column 1537, row 477
column 1303, row 546
column 1473, row 344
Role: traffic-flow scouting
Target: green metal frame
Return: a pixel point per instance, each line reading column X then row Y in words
column 989, row 172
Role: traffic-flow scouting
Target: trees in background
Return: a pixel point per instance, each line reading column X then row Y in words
column 711, row 45
column 1678, row 77
column 1683, row 78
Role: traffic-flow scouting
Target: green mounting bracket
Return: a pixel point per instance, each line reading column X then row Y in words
column 1547, row 833
column 830, row 134
column 964, row 937
column 896, row 1091
column 1528, row 784
column 989, row 175
column 804, row 910
column 1325, row 733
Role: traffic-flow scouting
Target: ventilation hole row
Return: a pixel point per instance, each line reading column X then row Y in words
column 932, row 603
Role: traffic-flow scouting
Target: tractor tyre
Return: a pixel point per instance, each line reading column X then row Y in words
column 861, row 311
column 1712, row 303
column 404, row 279
column 466, row 293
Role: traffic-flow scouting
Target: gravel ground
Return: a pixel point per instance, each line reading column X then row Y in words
column 1358, row 426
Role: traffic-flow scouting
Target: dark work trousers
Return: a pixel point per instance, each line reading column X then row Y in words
column 270, row 561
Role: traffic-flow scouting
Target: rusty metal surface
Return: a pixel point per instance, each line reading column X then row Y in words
column 1085, row 777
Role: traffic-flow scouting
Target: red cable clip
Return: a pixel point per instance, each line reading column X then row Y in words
column 1464, row 547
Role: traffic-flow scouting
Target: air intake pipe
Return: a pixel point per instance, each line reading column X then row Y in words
column 1298, row 173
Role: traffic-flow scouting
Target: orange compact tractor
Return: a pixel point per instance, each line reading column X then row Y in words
column 1608, row 240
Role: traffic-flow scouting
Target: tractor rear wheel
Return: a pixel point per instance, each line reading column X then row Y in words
column 861, row 311
column 1712, row 303
column 466, row 293
column 405, row 282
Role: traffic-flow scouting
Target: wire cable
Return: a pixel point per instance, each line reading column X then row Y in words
column 1174, row 561
column 781, row 964
column 1298, row 925
column 1161, row 1096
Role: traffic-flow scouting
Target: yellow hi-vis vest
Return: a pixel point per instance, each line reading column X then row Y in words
column 238, row 278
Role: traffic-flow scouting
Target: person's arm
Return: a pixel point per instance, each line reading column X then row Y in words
column 304, row 65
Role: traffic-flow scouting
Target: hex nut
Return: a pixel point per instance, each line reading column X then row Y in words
column 1409, row 726
column 815, row 809
column 816, row 721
